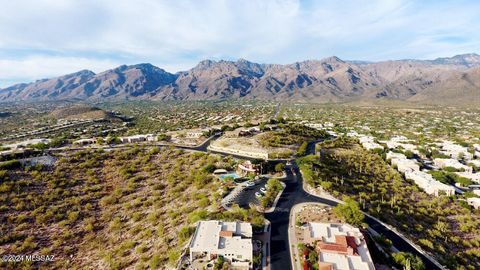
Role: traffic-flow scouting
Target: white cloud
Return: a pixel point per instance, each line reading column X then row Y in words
column 38, row 67
column 175, row 34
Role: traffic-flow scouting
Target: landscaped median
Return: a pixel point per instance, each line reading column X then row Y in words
column 268, row 203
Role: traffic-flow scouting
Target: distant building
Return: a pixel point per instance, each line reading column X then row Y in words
column 474, row 202
column 314, row 125
column 339, row 246
column 138, row 138
column 431, row 186
column 247, row 168
column 231, row 240
column 369, row 143
column 395, row 141
column 245, row 133
column 475, row 162
column 401, row 142
column 475, row 177
column 352, row 133
column 332, row 133
column 220, row 171
column 392, row 155
column 249, row 132
column 403, row 164
column 454, row 150
column 194, row 134
column 450, row 162
column 85, row 142
column 197, row 133
column 476, row 147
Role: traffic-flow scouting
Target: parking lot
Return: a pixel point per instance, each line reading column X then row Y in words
column 247, row 196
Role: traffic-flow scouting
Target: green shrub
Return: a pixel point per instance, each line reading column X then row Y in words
column 9, row 165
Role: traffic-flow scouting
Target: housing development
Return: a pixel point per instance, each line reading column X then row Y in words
column 239, row 135
column 329, row 189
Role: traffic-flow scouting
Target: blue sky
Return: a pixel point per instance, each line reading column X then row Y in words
column 45, row 38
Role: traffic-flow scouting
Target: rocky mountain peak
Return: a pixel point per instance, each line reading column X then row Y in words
column 329, row 79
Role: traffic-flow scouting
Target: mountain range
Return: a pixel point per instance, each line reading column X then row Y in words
column 449, row 80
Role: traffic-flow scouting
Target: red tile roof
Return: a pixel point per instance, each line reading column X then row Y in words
column 343, row 245
column 351, row 243
column 226, row 234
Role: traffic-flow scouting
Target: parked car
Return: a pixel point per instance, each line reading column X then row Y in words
column 263, row 190
column 289, row 163
column 250, row 184
column 258, row 195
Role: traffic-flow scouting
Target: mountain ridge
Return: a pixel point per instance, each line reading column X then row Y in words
column 442, row 80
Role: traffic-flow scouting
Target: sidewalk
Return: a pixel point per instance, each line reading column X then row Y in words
column 292, row 239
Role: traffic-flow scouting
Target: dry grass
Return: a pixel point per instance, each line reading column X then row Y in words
column 117, row 210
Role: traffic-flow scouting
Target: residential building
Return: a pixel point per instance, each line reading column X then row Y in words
column 339, row 246
column 475, row 162
column 138, row 138
column 220, row 172
column 454, row 150
column 476, row 147
column 474, row 202
column 475, row 177
column 84, row 142
column 247, row 168
column 392, row 155
column 332, row 133
column 352, row 133
column 404, row 165
column 369, row 143
column 314, row 125
column 196, row 133
column 431, row 186
column 231, row 240
column 401, row 142
column 450, row 162
column 245, row 133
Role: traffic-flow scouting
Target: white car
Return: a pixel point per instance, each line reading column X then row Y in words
column 289, row 163
column 250, row 184
column 258, row 195
column 263, row 190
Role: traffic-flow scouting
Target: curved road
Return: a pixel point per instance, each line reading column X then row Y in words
column 294, row 194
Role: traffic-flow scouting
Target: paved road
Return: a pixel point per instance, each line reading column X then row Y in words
column 201, row 148
column 294, row 194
